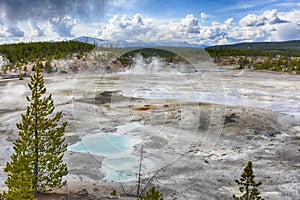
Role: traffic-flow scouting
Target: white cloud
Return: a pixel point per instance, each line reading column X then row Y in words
column 286, row 32
column 252, row 20
column 190, row 24
column 249, row 34
column 229, row 21
column 270, row 25
column 290, row 30
column 62, row 26
column 36, row 31
column 203, row 15
column 292, row 16
column 272, row 17
column 268, row 17
column 187, row 26
column 125, row 27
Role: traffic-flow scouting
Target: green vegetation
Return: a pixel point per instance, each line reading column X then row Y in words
column 167, row 54
column 150, row 52
column 113, row 192
column 37, row 164
column 152, row 194
column 289, row 48
column 19, row 184
column 248, row 185
column 41, row 54
column 127, row 58
column 21, row 76
column 280, row 64
column 29, row 52
column 274, row 56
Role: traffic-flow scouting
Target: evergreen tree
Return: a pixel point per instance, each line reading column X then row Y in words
column 248, row 185
column 152, row 194
column 37, row 163
column 19, row 181
column 21, row 76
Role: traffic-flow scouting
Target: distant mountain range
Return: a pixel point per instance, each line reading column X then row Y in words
column 123, row 43
column 279, row 46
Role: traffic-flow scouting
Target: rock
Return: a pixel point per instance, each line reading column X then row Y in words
column 10, row 139
column 230, row 118
column 83, row 193
column 109, row 129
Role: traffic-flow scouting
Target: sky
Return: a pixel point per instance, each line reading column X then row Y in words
column 206, row 22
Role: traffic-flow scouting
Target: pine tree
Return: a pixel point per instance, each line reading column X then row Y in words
column 21, row 76
column 19, row 182
column 37, row 163
column 248, row 185
column 152, row 194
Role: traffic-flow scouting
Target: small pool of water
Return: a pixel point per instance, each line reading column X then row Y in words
column 121, row 169
column 105, row 144
column 119, row 164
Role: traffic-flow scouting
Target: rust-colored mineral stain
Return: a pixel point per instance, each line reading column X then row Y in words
column 143, row 108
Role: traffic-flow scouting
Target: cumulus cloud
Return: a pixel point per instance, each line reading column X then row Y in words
column 252, row 20
column 125, row 27
column 62, row 26
column 229, row 21
column 272, row 17
column 268, row 17
column 189, row 24
column 292, row 17
column 289, row 30
column 35, row 29
column 270, row 25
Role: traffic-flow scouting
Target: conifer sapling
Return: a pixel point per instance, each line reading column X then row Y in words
column 248, row 185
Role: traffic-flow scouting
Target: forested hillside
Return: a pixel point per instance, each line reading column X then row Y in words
column 288, row 48
column 273, row 56
column 25, row 57
column 29, row 52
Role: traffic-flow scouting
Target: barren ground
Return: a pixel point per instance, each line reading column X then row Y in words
column 195, row 146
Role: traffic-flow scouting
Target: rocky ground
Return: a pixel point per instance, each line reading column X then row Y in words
column 191, row 150
column 197, row 168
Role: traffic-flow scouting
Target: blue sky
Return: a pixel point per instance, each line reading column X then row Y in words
column 195, row 21
column 217, row 9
